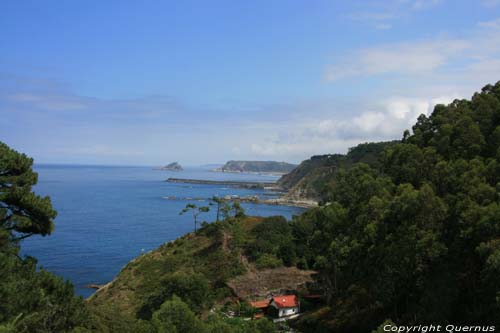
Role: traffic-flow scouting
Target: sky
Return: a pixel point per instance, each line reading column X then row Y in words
column 198, row 82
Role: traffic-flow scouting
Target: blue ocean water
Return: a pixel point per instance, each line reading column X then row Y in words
column 110, row 215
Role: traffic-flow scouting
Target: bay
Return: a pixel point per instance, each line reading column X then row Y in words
column 108, row 215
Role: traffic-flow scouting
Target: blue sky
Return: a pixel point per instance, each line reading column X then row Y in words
column 150, row 82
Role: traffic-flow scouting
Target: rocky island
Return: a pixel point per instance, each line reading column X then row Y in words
column 174, row 166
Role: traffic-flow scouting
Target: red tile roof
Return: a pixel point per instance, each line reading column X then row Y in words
column 286, row 301
column 260, row 304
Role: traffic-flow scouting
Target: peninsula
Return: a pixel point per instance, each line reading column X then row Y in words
column 271, row 167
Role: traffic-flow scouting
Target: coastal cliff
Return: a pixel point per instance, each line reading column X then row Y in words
column 312, row 179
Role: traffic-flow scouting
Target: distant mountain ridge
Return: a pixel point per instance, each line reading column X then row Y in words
column 257, row 166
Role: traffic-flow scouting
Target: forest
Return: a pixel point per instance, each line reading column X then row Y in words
column 415, row 240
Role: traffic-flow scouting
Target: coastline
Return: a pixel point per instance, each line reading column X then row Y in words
column 262, row 173
column 280, row 201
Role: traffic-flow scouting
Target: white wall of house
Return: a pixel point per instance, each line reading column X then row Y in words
column 288, row 311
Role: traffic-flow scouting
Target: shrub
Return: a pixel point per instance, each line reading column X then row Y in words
column 268, row 261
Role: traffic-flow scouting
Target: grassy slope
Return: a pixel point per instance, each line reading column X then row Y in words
column 211, row 252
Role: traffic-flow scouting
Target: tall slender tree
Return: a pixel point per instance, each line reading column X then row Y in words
column 196, row 211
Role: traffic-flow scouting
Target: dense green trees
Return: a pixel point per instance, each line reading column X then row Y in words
column 37, row 301
column 32, row 300
column 415, row 238
column 175, row 316
column 192, row 288
column 272, row 243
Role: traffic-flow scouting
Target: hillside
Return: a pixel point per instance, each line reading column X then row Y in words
column 205, row 269
column 204, row 255
column 257, row 166
column 313, row 177
column 414, row 238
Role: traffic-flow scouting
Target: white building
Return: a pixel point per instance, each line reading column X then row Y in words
column 286, row 305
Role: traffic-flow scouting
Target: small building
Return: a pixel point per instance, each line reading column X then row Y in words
column 285, row 305
column 260, row 308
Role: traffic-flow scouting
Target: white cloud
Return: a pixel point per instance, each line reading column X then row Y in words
column 471, row 59
column 371, row 16
column 383, row 26
column 423, row 4
column 236, row 150
column 386, row 120
column 418, row 75
column 50, row 102
column 401, row 58
column 100, row 149
column 495, row 24
column 384, row 14
column 298, row 151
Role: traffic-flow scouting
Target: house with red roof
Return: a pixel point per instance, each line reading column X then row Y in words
column 282, row 307
column 285, row 305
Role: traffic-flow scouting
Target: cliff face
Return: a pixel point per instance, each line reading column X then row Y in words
column 257, row 166
column 311, row 179
column 304, row 181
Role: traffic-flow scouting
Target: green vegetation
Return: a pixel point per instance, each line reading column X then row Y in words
column 273, row 243
column 31, row 300
column 196, row 211
column 193, row 270
column 314, row 177
column 22, row 212
column 415, row 238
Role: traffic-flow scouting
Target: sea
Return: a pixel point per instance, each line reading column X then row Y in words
column 108, row 215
